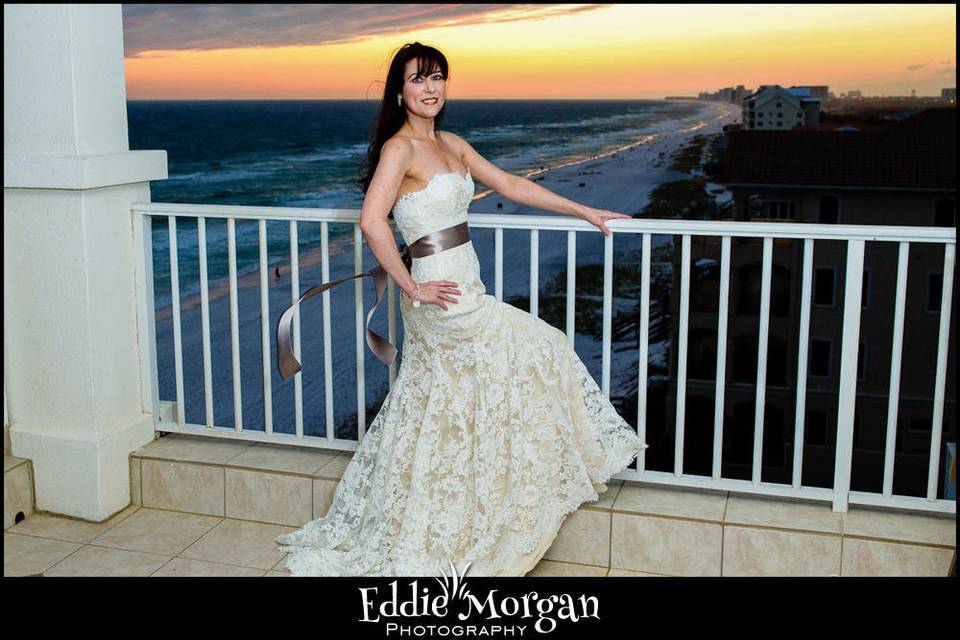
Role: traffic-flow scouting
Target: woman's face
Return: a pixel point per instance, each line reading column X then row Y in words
column 423, row 95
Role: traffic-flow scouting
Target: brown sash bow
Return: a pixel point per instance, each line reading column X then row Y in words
column 426, row 245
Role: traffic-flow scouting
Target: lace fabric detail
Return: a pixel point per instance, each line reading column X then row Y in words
column 493, row 432
column 442, row 203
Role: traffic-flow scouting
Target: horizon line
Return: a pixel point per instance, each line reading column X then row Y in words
column 378, row 99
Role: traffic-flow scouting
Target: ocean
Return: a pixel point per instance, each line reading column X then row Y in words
column 309, row 154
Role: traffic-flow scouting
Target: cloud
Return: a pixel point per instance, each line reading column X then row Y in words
column 163, row 27
column 942, row 69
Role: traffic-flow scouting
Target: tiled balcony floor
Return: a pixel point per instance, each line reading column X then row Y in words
column 210, row 507
column 141, row 541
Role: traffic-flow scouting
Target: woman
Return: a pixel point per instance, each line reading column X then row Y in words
column 493, row 431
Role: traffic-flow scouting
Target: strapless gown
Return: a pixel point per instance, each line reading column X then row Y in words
column 492, row 433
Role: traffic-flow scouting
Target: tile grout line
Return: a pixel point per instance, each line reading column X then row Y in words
column 723, row 530
column 610, row 542
column 840, row 570
column 610, row 546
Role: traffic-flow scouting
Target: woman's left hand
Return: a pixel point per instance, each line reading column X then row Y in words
column 597, row 217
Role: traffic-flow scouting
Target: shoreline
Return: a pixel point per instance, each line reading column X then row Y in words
column 619, row 188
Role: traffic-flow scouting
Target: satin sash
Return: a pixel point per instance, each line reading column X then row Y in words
column 386, row 352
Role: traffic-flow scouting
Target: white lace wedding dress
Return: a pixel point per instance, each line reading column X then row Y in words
column 493, row 432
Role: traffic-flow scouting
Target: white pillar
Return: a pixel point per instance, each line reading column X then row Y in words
column 71, row 359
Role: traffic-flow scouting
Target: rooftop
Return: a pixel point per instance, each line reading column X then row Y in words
column 918, row 152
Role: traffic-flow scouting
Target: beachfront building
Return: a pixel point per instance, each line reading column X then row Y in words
column 726, row 94
column 104, row 476
column 773, row 107
column 903, row 175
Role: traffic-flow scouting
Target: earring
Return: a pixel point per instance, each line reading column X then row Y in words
column 399, row 100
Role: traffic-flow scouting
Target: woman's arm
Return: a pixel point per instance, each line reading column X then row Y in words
column 381, row 194
column 526, row 191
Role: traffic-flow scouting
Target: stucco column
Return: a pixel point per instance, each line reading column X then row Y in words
column 71, row 358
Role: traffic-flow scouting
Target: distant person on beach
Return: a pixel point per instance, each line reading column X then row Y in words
column 276, row 273
column 493, row 430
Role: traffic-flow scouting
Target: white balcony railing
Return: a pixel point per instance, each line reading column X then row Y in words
column 854, row 236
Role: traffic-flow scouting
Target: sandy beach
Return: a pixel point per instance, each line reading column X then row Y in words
column 620, row 181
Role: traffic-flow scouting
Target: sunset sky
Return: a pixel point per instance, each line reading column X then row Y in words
column 324, row 51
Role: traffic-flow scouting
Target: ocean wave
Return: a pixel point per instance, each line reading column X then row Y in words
column 511, row 130
column 335, row 198
column 338, row 153
column 229, row 175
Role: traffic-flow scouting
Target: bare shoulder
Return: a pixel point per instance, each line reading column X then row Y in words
column 455, row 142
column 452, row 139
column 398, row 145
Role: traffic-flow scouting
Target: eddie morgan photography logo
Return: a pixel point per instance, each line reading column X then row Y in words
column 455, row 611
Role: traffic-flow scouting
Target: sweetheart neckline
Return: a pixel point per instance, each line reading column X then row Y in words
column 430, row 182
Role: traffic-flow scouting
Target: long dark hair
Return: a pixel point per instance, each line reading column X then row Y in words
column 392, row 116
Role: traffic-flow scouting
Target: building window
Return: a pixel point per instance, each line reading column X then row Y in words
column 865, row 291
column 934, row 291
column 944, row 213
column 829, row 210
column 861, row 360
column 778, row 105
column 824, row 286
column 777, row 209
column 816, row 431
column 820, row 358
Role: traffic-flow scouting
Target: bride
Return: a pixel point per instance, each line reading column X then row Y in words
column 493, row 431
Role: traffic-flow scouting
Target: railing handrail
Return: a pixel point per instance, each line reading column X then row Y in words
column 559, row 222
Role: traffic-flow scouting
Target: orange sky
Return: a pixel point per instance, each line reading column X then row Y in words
column 615, row 51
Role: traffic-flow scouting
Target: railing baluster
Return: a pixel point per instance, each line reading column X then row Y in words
column 234, row 328
column 682, row 335
column 175, row 307
column 946, row 299
column 534, row 272
column 896, row 356
column 205, row 319
column 327, row 352
column 643, row 351
column 849, row 348
column 762, row 359
column 265, row 331
column 294, row 296
column 571, row 284
column 723, row 306
column 498, row 262
column 359, row 333
column 146, row 318
column 607, row 312
column 802, row 359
